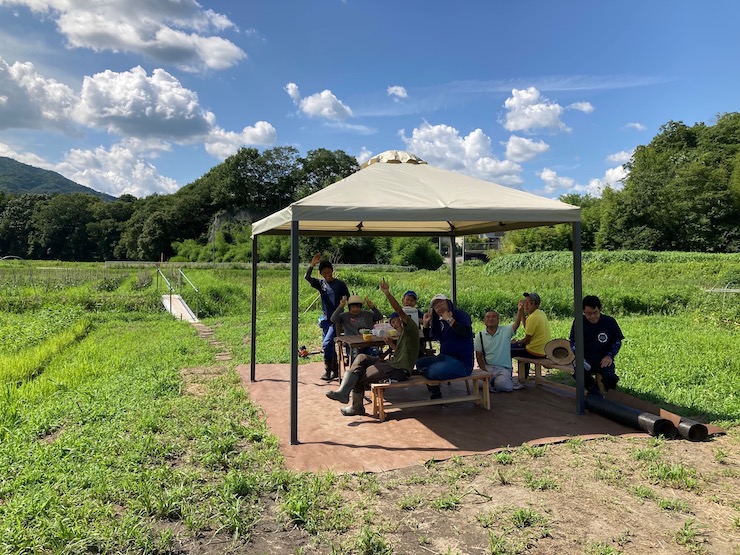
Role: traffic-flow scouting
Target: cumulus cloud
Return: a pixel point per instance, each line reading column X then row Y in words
column 223, row 144
column 325, row 105
column 32, row 101
column 636, row 126
column 519, row 149
column 442, row 145
column 621, row 157
column 133, row 103
column 613, row 178
column 364, row 155
column 26, row 157
column 585, row 107
column 293, row 92
column 176, row 33
column 527, row 110
column 554, row 182
column 397, row 92
column 557, row 185
column 124, row 168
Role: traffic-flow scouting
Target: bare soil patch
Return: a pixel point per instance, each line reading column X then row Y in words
column 606, row 496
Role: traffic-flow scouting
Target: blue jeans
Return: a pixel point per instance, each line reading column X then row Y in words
column 442, row 367
column 328, row 333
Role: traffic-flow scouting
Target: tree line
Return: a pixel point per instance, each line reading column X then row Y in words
column 682, row 193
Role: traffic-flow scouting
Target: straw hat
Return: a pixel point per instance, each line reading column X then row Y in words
column 559, row 351
column 354, row 299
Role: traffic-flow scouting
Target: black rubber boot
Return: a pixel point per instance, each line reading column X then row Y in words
column 326, row 376
column 334, row 369
column 435, row 391
column 357, row 408
column 342, row 394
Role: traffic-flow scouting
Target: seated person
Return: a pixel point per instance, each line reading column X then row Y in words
column 409, row 300
column 602, row 339
column 367, row 369
column 452, row 327
column 493, row 352
column 355, row 318
column 536, row 329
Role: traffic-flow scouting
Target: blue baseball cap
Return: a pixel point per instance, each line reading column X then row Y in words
column 411, row 293
column 393, row 315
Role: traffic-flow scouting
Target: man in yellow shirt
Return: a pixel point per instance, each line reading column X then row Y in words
column 536, row 329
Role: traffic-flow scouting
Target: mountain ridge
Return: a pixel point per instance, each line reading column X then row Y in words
column 18, row 178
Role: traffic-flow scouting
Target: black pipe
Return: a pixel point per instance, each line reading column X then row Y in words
column 646, row 421
column 692, row 430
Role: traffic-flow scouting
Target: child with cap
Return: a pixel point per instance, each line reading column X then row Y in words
column 355, row 318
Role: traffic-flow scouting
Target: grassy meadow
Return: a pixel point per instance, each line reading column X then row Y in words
column 107, row 446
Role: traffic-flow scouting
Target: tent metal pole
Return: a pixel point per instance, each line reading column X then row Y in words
column 294, row 334
column 253, row 346
column 453, row 268
column 578, row 317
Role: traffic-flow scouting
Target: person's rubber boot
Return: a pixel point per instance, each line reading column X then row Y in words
column 334, row 369
column 435, row 391
column 357, row 408
column 342, row 394
column 326, row 376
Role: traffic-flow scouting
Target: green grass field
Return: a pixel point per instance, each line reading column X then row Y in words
column 102, row 449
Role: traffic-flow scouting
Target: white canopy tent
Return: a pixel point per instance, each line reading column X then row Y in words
column 398, row 194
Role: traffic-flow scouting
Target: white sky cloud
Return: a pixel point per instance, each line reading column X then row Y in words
column 554, row 182
column 613, row 178
column 558, row 185
column 527, row 110
column 123, row 169
column 150, row 113
column 325, row 105
column 585, row 107
column 167, row 32
column 32, row 101
column 135, row 104
column 621, row 157
column 293, row 92
column 442, row 145
column 520, row 149
column 397, row 92
column 223, row 144
column 637, row 126
column 364, row 155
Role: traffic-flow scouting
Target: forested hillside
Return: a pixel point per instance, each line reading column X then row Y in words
column 19, row 178
column 682, row 193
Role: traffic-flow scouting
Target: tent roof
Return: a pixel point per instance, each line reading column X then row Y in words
column 398, row 194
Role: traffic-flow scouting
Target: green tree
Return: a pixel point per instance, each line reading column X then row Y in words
column 60, row 228
column 322, row 167
column 16, row 223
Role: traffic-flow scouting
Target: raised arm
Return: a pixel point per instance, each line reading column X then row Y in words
column 519, row 317
column 385, row 288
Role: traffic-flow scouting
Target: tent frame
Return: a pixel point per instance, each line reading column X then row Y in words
column 294, row 271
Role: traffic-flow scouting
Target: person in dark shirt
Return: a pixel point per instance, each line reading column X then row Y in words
column 453, row 329
column 602, row 339
column 331, row 290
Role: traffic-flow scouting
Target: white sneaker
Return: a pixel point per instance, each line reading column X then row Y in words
column 519, row 385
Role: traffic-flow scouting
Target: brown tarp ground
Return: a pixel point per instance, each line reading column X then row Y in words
column 539, row 414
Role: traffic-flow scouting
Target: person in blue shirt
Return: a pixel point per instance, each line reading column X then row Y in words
column 331, row 291
column 493, row 350
column 453, row 329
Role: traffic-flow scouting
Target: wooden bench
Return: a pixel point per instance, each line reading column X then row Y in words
column 479, row 393
column 539, row 364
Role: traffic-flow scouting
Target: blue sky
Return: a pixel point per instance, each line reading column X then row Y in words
column 145, row 96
